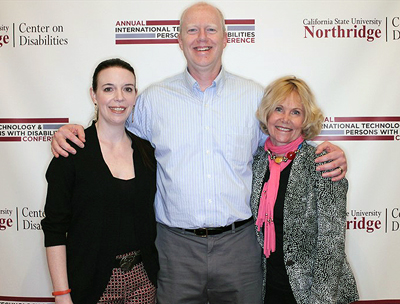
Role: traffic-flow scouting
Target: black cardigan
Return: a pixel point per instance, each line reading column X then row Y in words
column 81, row 215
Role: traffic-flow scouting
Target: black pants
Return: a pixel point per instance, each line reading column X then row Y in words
column 277, row 296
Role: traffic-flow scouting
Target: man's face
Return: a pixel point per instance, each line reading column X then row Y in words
column 202, row 39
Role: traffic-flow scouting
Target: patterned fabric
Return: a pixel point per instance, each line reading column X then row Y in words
column 129, row 287
column 314, row 231
column 204, row 145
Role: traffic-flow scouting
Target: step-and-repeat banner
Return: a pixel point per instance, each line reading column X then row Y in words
column 348, row 51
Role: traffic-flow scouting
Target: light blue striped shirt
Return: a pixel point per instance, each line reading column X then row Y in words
column 204, row 144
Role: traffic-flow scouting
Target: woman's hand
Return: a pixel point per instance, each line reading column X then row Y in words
column 59, row 145
column 336, row 158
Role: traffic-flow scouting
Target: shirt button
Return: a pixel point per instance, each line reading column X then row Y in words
column 209, row 175
column 210, row 201
column 207, row 128
column 208, row 151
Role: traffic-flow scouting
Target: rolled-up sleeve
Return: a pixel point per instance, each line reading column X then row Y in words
column 60, row 177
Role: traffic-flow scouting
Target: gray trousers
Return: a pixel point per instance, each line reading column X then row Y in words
column 218, row 269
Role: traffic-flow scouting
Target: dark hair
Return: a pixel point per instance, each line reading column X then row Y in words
column 115, row 62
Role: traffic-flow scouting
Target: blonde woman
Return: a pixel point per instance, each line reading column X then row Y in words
column 300, row 216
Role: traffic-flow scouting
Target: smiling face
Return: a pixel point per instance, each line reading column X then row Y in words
column 285, row 122
column 115, row 95
column 202, row 39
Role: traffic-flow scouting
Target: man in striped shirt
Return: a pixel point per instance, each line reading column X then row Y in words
column 202, row 124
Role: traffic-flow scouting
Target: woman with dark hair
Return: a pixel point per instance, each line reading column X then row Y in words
column 300, row 216
column 99, row 226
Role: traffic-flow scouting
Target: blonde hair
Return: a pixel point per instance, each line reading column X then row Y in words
column 278, row 91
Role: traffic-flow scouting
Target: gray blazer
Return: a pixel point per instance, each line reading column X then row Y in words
column 314, row 231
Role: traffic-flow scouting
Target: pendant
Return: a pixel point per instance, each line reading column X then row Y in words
column 289, row 156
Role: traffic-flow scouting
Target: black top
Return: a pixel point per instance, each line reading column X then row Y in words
column 276, row 271
column 126, row 240
column 86, row 211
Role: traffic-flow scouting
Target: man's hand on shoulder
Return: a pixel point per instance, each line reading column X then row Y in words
column 337, row 162
column 59, row 144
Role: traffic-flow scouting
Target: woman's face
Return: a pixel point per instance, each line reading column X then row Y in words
column 115, row 95
column 285, row 122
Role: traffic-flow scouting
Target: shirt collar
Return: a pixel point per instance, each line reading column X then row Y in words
column 218, row 82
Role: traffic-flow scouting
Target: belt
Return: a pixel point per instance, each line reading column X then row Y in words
column 129, row 261
column 204, row 232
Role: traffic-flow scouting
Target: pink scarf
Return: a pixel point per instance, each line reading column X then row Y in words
column 270, row 192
